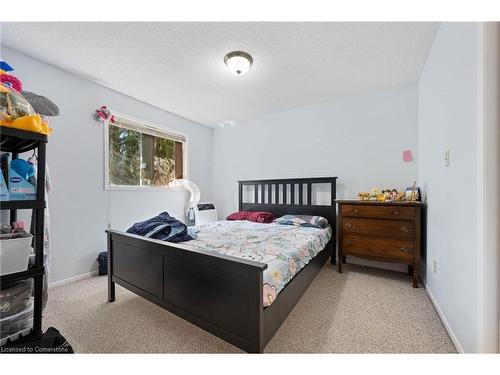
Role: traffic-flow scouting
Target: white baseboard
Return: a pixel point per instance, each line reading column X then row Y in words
column 72, row 279
column 445, row 322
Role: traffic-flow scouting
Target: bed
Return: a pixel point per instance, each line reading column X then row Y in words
column 218, row 291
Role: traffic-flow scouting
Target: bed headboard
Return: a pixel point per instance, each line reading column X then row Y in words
column 289, row 196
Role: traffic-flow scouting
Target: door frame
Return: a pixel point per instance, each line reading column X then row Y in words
column 488, row 184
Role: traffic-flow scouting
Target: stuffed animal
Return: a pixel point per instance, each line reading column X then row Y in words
column 387, row 194
column 374, row 193
column 364, row 196
column 394, row 195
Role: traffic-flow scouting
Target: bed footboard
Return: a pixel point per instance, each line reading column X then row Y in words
column 220, row 294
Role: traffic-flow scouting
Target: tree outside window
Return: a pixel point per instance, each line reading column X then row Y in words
column 138, row 158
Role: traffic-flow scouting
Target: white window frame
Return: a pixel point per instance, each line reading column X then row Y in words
column 154, row 129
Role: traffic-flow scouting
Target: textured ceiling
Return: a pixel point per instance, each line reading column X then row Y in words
column 179, row 66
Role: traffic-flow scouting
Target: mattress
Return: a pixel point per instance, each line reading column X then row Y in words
column 286, row 249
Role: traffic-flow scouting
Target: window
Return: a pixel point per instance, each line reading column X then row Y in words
column 139, row 155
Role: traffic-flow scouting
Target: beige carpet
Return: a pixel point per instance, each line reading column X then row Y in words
column 363, row 310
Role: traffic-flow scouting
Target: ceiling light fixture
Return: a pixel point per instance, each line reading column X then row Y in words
column 238, row 62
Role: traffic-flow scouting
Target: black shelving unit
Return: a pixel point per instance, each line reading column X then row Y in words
column 18, row 141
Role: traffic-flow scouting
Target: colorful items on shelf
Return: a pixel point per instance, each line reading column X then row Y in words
column 18, row 179
column 15, row 110
column 10, row 81
column 18, row 226
column 5, row 67
column 23, row 168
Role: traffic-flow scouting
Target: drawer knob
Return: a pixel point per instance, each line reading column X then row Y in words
column 348, row 242
column 404, row 249
column 404, row 229
column 348, row 225
column 356, row 210
column 396, row 213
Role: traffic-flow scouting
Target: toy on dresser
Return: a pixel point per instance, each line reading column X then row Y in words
column 386, row 195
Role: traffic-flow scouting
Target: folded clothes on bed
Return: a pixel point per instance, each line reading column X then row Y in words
column 162, row 227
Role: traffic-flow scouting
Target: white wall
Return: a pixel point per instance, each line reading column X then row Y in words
column 360, row 139
column 80, row 208
column 448, row 114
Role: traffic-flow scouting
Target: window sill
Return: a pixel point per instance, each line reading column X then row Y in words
column 143, row 188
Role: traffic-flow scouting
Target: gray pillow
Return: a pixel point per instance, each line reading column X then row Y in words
column 303, row 221
column 42, row 105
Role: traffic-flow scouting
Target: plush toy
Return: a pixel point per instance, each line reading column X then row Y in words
column 104, row 114
column 15, row 110
column 387, row 194
column 374, row 193
column 364, row 196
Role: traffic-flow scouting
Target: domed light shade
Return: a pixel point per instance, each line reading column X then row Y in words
column 238, row 62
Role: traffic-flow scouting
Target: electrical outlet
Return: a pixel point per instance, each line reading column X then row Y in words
column 447, row 158
column 435, row 266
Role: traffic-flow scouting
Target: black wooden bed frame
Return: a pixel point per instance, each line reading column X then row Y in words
column 219, row 293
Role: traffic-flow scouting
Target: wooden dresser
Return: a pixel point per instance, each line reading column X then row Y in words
column 383, row 231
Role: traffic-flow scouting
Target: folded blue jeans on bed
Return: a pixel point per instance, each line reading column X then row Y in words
column 162, row 227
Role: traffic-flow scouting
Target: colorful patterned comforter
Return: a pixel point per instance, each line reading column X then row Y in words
column 285, row 248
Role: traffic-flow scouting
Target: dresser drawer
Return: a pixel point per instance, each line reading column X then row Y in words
column 383, row 212
column 381, row 248
column 378, row 228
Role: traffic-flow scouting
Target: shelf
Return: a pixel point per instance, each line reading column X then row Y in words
column 21, row 205
column 32, row 272
column 16, row 140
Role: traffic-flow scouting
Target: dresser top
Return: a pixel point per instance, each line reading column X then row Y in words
column 376, row 203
